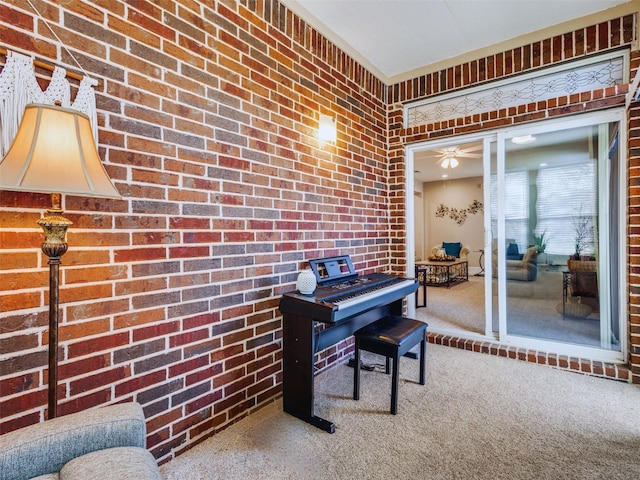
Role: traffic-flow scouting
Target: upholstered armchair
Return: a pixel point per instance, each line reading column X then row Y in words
column 525, row 269
column 455, row 249
column 107, row 442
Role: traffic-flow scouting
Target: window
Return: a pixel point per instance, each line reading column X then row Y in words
column 567, row 209
column 516, row 207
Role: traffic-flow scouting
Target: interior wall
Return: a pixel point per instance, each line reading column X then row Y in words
column 455, row 194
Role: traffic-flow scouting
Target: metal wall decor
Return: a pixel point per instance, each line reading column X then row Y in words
column 459, row 216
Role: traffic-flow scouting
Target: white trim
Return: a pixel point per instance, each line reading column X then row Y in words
column 604, row 266
column 410, row 229
column 622, row 238
column 502, row 247
column 488, row 236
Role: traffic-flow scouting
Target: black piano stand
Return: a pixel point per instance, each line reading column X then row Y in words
column 298, row 371
column 317, row 421
column 299, row 345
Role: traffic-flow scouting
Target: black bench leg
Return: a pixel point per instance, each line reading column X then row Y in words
column 423, row 359
column 394, row 383
column 356, row 373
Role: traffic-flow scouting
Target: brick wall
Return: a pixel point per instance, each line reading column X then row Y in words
column 633, row 229
column 208, row 114
column 207, row 120
column 606, row 36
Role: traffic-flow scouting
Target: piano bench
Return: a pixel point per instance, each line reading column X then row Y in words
column 391, row 336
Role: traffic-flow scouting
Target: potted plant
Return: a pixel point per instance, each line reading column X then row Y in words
column 540, row 241
column 583, row 237
column 584, row 233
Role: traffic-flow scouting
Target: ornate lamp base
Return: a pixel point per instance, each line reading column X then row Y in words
column 54, row 246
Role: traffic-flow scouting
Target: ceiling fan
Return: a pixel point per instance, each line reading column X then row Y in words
column 449, row 157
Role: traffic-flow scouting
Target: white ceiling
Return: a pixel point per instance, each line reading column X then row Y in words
column 397, row 38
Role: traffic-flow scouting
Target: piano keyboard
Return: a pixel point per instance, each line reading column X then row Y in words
column 360, row 296
column 337, row 299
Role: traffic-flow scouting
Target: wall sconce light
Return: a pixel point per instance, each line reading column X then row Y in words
column 54, row 152
column 327, row 128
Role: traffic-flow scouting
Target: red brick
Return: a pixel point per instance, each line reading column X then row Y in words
column 99, row 344
column 23, row 403
column 140, row 382
column 103, row 378
column 21, row 383
column 19, row 422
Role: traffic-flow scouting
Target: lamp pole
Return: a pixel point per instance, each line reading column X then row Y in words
column 54, row 246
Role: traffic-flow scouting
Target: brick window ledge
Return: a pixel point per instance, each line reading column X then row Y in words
column 579, row 365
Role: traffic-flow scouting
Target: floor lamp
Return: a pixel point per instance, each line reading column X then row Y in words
column 54, row 152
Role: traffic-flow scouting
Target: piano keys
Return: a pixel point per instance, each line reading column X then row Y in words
column 343, row 302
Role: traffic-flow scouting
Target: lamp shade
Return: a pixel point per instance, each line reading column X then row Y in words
column 54, row 152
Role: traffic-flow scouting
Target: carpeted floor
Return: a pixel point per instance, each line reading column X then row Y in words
column 478, row 417
column 535, row 315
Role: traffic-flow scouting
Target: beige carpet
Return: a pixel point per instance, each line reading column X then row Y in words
column 478, row 417
column 460, row 307
column 532, row 310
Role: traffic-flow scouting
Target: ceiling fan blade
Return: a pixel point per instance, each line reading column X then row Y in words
column 472, row 148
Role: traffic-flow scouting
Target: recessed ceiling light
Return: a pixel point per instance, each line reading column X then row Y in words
column 444, row 175
column 543, row 164
column 524, row 139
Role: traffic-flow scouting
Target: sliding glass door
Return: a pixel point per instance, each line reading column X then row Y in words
column 541, row 209
column 555, row 196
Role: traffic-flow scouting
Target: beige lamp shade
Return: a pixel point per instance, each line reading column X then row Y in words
column 54, row 152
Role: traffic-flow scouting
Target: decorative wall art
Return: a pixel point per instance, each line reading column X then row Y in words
column 460, row 216
column 575, row 77
column 19, row 87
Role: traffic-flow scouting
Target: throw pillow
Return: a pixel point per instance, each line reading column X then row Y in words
column 512, row 249
column 452, row 248
column 513, row 253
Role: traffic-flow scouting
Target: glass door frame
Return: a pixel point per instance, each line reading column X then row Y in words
column 588, row 119
column 499, row 137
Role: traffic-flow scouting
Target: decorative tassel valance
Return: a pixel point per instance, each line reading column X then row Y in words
column 19, row 87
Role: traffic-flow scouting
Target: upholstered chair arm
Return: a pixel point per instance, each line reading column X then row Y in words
column 46, row 447
column 531, row 255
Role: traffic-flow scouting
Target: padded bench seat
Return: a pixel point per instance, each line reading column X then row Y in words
column 391, row 336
